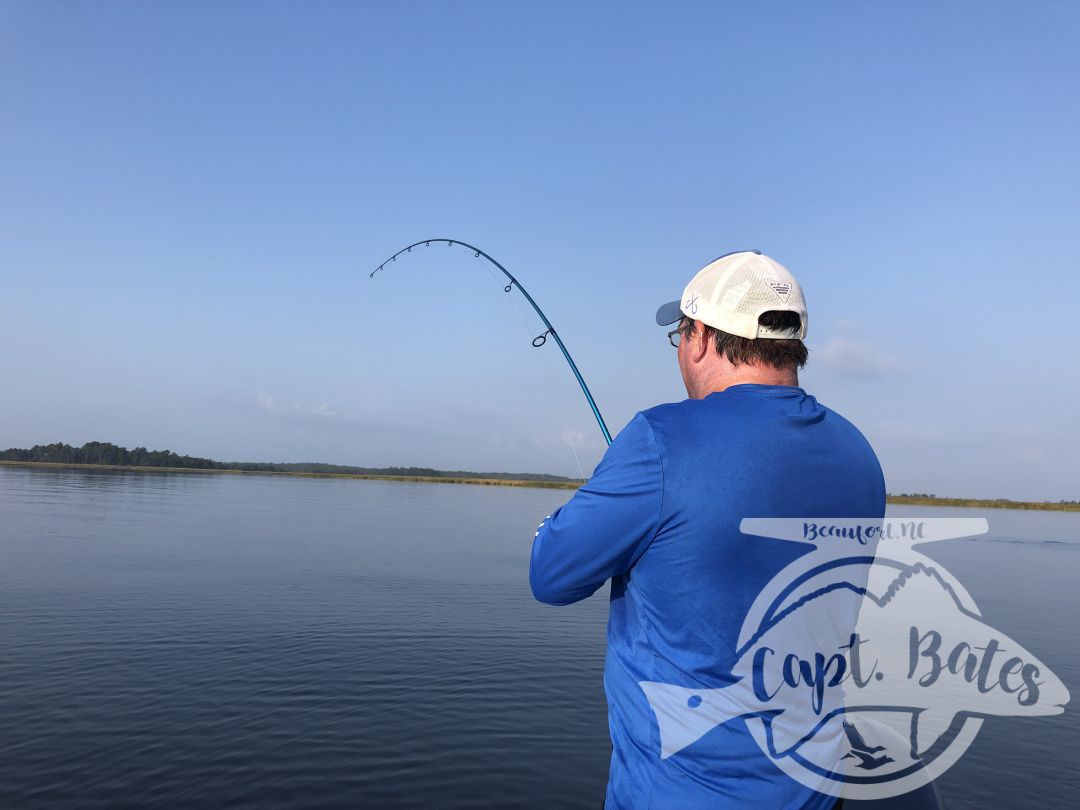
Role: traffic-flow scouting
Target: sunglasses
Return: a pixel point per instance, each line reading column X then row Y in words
column 675, row 335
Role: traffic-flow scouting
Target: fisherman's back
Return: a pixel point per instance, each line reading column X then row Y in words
column 661, row 517
column 749, row 451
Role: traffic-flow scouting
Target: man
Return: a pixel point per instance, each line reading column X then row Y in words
column 660, row 518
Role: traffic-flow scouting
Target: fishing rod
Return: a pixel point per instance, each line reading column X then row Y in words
column 539, row 340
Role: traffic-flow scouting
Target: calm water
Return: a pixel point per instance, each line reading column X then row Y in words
column 181, row 640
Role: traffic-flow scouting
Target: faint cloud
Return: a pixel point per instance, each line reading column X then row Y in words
column 1023, row 431
column 265, row 401
column 502, row 442
column 913, row 432
column 855, row 358
column 322, row 416
column 967, row 435
column 572, row 438
column 1033, row 453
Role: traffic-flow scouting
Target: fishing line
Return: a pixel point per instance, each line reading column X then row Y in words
column 530, row 331
column 570, row 441
column 537, row 341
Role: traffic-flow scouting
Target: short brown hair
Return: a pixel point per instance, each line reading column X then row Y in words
column 778, row 353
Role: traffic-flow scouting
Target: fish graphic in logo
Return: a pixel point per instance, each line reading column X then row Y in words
column 864, row 668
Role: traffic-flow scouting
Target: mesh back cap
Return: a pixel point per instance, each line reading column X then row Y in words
column 731, row 292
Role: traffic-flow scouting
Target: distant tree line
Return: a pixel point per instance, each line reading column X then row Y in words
column 931, row 496
column 106, row 453
column 1003, row 503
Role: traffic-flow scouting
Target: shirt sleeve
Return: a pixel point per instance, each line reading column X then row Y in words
column 606, row 526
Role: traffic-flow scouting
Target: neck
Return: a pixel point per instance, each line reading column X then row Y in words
column 744, row 375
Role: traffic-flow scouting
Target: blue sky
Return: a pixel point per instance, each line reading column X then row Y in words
column 192, row 196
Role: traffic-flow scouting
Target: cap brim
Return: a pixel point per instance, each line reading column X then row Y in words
column 668, row 314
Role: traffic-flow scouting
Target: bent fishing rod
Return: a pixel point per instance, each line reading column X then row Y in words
column 539, row 340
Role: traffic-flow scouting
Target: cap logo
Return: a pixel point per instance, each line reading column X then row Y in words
column 691, row 304
column 781, row 288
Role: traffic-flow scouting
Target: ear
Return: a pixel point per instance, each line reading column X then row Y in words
column 699, row 346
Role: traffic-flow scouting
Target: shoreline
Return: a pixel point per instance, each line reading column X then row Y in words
column 986, row 503
column 414, row 479
column 976, row 503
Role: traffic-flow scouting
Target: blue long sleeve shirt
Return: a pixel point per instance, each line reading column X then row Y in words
column 660, row 518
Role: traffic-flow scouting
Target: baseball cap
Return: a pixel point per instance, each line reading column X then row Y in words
column 731, row 292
